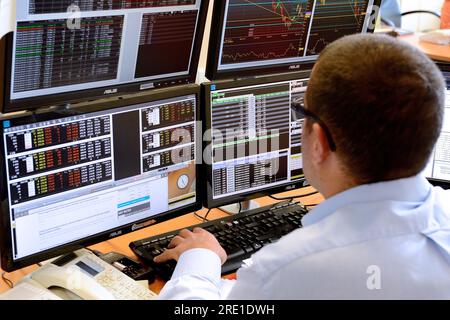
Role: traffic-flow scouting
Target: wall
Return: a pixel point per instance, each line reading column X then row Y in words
column 418, row 22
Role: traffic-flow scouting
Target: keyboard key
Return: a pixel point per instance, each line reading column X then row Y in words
column 263, row 237
column 233, row 252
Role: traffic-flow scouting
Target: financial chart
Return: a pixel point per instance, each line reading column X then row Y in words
column 265, row 30
column 260, row 33
column 50, row 55
column 334, row 19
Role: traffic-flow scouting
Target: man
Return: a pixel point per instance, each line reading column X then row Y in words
column 383, row 231
column 390, row 10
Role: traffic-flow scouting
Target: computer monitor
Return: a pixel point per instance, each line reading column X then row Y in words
column 262, row 37
column 253, row 143
column 79, row 176
column 71, row 50
column 438, row 169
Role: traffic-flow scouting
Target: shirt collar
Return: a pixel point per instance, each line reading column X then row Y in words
column 415, row 188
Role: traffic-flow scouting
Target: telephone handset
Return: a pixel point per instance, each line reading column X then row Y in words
column 83, row 275
column 73, row 280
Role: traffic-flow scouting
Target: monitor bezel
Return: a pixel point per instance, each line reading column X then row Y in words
column 212, row 66
column 445, row 184
column 209, row 202
column 8, row 105
column 2, row 70
column 6, row 254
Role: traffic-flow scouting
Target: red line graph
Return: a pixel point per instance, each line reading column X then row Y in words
column 287, row 18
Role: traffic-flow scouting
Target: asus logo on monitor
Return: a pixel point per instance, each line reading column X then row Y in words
column 115, row 234
column 294, row 67
column 110, row 91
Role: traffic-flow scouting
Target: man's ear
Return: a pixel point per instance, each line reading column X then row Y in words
column 320, row 147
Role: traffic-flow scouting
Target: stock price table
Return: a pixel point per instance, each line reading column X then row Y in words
column 48, row 54
column 58, row 6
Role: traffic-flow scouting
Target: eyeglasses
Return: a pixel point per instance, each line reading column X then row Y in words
column 299, row 107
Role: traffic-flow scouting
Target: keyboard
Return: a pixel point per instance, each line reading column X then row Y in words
column 240, row 235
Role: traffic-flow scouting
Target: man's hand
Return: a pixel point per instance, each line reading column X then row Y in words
column 187, row 240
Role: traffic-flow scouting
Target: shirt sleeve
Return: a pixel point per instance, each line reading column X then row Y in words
column 196, row 276
column 249, row 285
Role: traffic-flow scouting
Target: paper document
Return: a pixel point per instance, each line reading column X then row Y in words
column 7, row 16
column 440, row 37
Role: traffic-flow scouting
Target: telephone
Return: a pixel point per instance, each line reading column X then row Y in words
column 83, row 275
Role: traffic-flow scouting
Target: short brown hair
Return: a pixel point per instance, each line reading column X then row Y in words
column 383, row 102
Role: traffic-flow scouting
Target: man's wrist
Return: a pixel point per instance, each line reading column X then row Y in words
column 198, row 262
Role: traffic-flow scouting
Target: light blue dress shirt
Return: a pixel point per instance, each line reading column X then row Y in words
column 389, row 240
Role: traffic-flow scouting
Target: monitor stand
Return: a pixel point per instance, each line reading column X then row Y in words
column 244, row 206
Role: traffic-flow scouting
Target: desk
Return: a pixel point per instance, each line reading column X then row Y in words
column 434, row 51
column 120, row 244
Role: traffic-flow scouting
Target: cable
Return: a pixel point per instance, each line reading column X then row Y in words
column 206, row 215
column 8, row 282
column 307, row 194
column 240, row 207
column 204, row 219
column 199, row 216
column 281, row 199
column 292, row 198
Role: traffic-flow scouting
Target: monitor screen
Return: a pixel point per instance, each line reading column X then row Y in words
column 72, row 179
column 438, row 169
column 260, row 37
column 255, row 135
column 60, row 48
